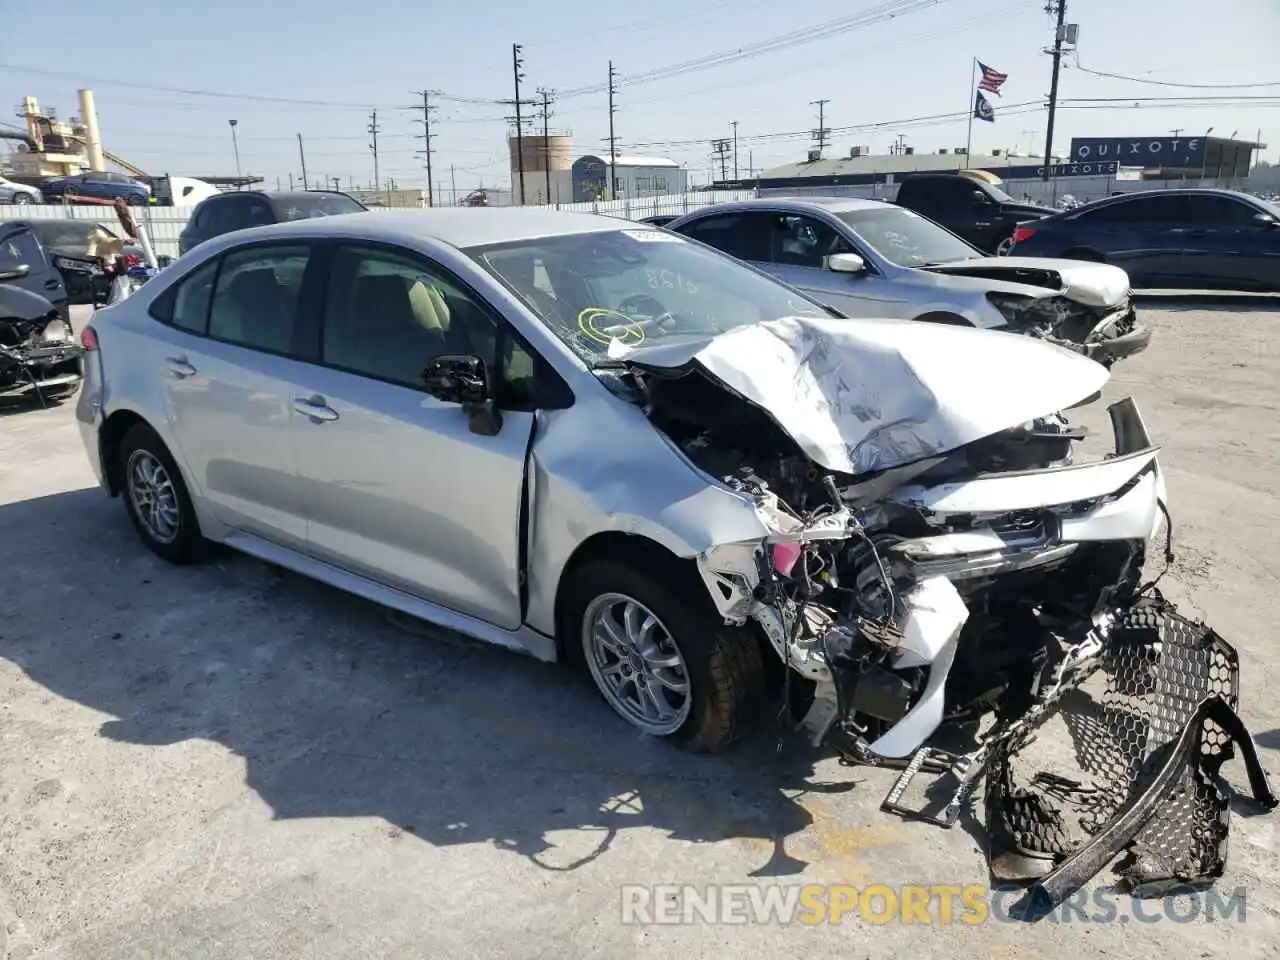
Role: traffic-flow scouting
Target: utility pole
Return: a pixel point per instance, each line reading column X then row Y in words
column 373, row 146
column 453, row 188
column 735, row 150
column 613, row 140
column 546, row 138
column 720, row 151
column 337, row 184
column 427, row 108
column 235, row 146
column 516, row 64
column 303, row 157
column 822, row 132
column 1052, row 7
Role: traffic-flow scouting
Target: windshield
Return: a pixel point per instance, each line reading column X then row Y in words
column 999, row 195
column 319, row 205
column 641, row 286
column 905, row 238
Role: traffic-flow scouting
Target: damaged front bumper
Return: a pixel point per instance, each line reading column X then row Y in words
column 39, row 370
column 886, row 680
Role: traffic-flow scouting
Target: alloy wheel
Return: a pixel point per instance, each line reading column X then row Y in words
column 153, row 496
column 636, row 664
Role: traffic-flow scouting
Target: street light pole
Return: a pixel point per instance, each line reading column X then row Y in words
column 235, row 146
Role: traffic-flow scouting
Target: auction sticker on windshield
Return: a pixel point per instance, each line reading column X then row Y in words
column 653, row 236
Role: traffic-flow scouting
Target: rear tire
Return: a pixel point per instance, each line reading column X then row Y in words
column 721, row 667
column 156, row 498
column 22, row 199
column 1005, row 246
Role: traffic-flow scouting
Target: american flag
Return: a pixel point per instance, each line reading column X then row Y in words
column 992, row 80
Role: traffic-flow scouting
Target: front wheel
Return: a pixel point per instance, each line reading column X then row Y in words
column 662, row 659
column 22, row 199
column 1004, row 247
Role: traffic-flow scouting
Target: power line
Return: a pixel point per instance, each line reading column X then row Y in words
column 821, row 31
column 1170, row 83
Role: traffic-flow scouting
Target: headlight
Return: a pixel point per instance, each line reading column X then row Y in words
column 56, row 331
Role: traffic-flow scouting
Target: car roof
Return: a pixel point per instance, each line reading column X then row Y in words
column 460, row 227
column 799, row 204
column 1175, row 191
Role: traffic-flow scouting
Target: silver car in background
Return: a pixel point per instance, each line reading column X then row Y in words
column 868, row 258
column 576, row 437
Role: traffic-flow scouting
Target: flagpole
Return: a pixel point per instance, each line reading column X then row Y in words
column 973, row 106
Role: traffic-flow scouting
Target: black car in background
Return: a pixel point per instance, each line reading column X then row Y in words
column 38, row 353
column 1193, row 239
column 968, row 205
column 254, row 208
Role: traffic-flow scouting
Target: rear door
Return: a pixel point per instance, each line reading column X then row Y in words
column 229, row 362
column 746, row 235
column 1227, row 246
column 1144, row 234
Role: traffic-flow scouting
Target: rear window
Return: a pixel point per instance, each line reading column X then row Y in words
column 318, row 205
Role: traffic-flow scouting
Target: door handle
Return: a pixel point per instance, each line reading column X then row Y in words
column 52, row 283
column 315, row 408
column 179, row 367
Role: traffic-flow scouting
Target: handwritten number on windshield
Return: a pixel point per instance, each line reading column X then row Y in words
column 669, row 280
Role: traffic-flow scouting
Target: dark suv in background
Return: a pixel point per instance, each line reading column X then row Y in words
column 253, row 208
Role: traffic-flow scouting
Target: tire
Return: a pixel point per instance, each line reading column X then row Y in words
column 721, row 665
column 22, row 199
column 1004, row 246
column 142, row 448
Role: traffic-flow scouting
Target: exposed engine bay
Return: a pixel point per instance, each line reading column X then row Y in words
column 1104, row 333
column 942, row 588
column 38, row 356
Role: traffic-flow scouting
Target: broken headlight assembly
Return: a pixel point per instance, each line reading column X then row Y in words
column 1022, row 311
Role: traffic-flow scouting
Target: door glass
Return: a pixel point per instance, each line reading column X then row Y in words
column 742, row 235
column 1209, row 211
column 21, row 248
column 803, row 242
column 387, row 315
column 255, row 303
column 191, row 304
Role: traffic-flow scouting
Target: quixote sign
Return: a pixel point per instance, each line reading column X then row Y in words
column 1140, row 151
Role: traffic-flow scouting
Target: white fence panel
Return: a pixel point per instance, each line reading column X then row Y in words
column 163, row 223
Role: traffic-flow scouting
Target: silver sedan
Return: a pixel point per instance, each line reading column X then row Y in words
column 869, row 258
column 580, row 438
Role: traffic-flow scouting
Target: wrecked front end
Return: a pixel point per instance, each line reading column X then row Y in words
column 947, row 599
column 1083, row 306
column 39, row 357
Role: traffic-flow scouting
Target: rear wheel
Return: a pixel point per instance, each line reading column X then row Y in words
column 156, row 497
column 22, row 199
column 661, row 657
column 1005, row 246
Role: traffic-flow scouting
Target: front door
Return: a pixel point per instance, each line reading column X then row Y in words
column 228, row 362
column 21, row 254
column 396, row 485
column 1227, row 246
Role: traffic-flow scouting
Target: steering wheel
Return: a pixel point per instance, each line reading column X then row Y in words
column 643, row 305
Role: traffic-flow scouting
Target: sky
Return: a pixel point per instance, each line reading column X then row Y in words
column 168, row 87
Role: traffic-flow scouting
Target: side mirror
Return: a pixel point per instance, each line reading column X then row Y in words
column 15, row 273
column 464, row 379
column 845, row 263
column 979, row 198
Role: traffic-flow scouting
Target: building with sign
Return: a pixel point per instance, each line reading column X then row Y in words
column 1170, row 158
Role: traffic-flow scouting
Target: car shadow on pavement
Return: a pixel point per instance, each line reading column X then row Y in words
column 337, row 713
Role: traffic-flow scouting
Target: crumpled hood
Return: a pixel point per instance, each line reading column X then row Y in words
column 859, row 396
column 1093, row 284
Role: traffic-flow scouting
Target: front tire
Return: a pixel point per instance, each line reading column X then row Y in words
column 22, row 199
column 1005, row 246
column 662, row 658
column 156, row 498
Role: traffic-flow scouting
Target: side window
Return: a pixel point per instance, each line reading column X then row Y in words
column 803, row 242
column 387, row 314
column 255, row 303
column 742, row 235
column 258, row 213
column 221, row 217
column 1210, row 211
column 22, row 248
column 188, row 307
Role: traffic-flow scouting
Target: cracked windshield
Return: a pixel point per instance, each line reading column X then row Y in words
column 637, row 288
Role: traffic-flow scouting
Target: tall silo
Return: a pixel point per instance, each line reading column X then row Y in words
column 547, row 161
